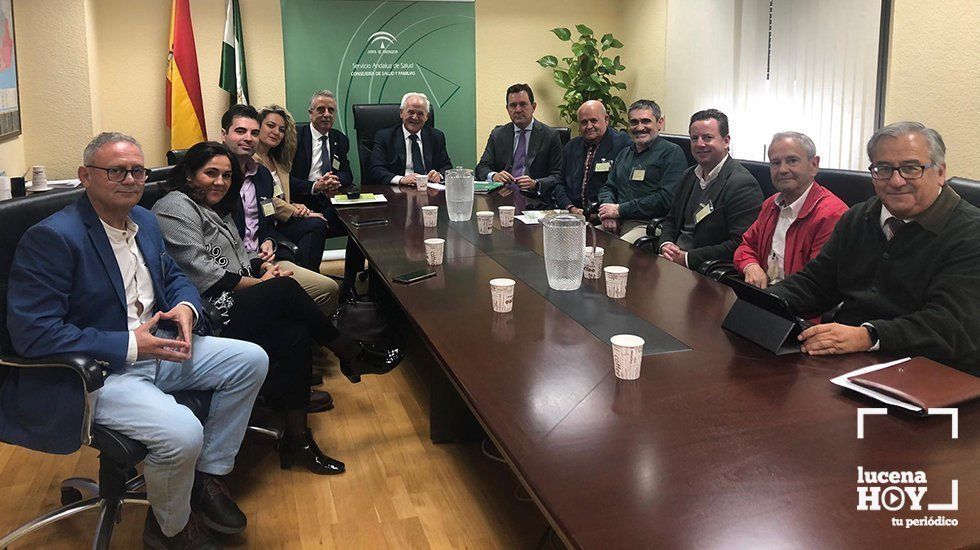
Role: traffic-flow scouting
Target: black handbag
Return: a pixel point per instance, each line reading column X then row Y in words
column 361, row 318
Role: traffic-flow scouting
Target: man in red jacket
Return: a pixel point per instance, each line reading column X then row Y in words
column 793, row 224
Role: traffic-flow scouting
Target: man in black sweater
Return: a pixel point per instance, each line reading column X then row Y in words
column 905, row 265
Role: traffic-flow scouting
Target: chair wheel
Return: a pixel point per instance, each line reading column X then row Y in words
column 70, row 495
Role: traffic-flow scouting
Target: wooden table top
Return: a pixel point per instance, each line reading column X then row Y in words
column 725, row 445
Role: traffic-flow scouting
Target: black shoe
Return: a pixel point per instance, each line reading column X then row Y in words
column 319, row 401
column 192, row 537
column 211, row 501
column 372, row 359
column 305, row 451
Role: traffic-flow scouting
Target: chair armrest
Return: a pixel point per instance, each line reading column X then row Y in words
column 91, row 371
column 718, row 269
column 655, row 226
column 286, row 251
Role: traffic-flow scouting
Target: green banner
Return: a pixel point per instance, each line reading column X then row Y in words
column 374, row 52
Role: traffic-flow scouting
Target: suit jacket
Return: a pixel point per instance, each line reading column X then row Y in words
column 299, row 185
column 67, row 296
column 264, row 189
column 568, row 184
column 388, row 154
column 543, row 160
column 736, row 198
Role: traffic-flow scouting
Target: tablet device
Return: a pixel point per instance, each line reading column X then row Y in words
column 769, row 302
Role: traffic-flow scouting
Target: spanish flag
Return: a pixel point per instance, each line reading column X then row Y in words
column 185, row 109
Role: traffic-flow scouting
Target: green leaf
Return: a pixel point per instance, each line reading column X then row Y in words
column 548, row 61
column 607, row 38
column 561, row 77
column 562, row 33
column 577, row 49
column 619, row 85
column 606, row 63
column 615, row 44
column 583, row 30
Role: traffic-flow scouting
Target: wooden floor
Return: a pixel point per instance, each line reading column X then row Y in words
column 399, row 491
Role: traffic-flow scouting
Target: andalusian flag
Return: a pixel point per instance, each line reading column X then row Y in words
column 234, row 79
column 185, row 109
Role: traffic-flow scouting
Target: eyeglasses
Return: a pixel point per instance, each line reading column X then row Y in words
column 118, row 175
column 907, row 171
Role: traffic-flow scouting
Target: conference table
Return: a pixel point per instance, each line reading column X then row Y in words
column 719, row 443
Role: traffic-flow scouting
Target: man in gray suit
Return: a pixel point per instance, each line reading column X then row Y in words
column 524, row 151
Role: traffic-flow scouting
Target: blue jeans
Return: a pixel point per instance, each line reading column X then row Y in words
column 136, row 403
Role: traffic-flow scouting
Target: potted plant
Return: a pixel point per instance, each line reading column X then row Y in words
column 587, row 74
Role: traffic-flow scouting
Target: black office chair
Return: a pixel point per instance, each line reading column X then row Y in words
column 850, row 186
column 684, row 142
column 175, row 155
column 368, row 119
column 158, row 174
column 564, row 134
column 118, row 482
column 966, row 188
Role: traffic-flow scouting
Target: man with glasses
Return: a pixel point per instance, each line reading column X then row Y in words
column 904, row 265
column 95, row 279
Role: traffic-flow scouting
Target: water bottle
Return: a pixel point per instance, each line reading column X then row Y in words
column 564, row 250
column 459, row 194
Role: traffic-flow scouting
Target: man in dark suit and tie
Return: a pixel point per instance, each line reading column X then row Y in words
column 717, row 201
column 523, row 151
column 587, row 158
column 410, row 151
column 96, row 279
column 320, row 165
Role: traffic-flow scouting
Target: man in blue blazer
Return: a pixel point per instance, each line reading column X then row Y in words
column 588, row 158
column 411, row 150
column 95, row 279
column 320, row 164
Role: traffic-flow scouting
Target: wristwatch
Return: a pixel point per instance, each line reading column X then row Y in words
column 872, row 335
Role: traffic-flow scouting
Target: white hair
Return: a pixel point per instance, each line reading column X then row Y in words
column 410, row 95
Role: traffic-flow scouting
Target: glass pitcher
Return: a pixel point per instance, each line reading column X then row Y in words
column 459, row 194
column 564, row 249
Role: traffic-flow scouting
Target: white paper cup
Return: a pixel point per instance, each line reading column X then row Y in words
column 484, row 222
column 627, row 355
column 39, row 181
column 593, row 263
column 421, row 182
column 434, row 249
column 616, row 280
column 506, row 216
column 430, row 216
column 502, row 294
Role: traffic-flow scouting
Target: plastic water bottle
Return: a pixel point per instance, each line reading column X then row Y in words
column 459, row 194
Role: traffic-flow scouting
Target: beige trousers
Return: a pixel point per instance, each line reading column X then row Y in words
column 321, row 288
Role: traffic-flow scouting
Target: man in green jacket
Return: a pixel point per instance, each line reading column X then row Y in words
column 644, row 176
column 905, row 265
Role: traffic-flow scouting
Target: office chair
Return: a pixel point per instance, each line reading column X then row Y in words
column 564, row 134
column 175, row 155
column 118, row 482
column 368, row 119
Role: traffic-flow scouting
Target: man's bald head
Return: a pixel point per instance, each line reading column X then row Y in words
column 593, row 120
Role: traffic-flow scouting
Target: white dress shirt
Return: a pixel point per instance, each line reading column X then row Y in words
column 705, row 181
column 409, row 166
column 787, row 215
column 140, row 297
column 319, row 154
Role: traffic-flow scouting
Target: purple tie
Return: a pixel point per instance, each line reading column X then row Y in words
column 518, row 168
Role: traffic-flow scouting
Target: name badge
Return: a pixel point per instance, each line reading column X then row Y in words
column 267, row 208
column 603, row 166
column 335, row 164
column 638, row 174
column 703, row 212
column 277, row 190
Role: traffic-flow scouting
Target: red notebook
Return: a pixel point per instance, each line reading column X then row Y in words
column 923, row 382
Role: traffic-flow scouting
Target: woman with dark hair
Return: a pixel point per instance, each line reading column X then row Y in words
column 256, row 300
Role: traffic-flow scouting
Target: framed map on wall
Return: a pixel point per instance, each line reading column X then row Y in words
column 9, row 98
